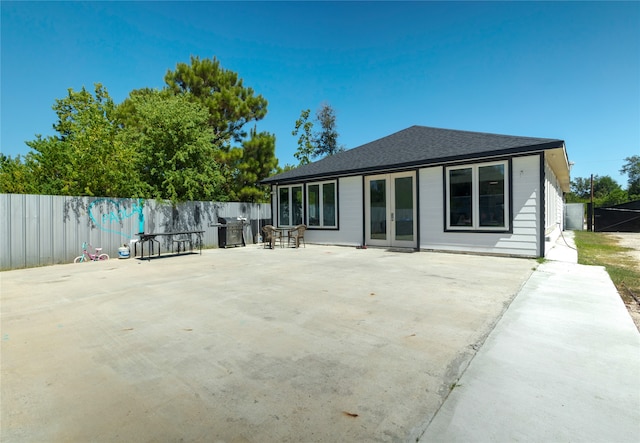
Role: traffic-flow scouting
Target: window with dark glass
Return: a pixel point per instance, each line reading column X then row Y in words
column 491, row 196
column 313, row 204
column 290, row 205
column 321, row 205
column 477, row 197
column 296, row 205
column 284, row 205
column 460, row 197
column 329, row 204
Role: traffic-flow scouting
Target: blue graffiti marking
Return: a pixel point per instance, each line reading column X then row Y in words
column 117, row 215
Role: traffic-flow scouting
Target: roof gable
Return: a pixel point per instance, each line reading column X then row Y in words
column 415, row 146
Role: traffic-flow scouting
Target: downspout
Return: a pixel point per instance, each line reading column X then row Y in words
column 417, row 209
column 541, row 205
column 274, row 210
column 364, row 214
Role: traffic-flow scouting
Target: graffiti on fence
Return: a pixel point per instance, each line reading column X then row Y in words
column 108, row 214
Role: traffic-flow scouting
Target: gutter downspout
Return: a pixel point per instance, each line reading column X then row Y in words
column 541, row 206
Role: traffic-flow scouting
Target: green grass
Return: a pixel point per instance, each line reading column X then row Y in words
column 602, row 249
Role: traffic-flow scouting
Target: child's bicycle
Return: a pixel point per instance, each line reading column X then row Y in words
column 87, row 256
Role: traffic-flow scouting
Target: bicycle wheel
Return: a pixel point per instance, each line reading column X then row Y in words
column 103, row 257
column 79, row 259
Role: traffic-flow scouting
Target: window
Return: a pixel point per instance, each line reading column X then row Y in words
column 321, row 205
column 290, row 205
column 477, row 197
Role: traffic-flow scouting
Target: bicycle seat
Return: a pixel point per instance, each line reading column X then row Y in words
column 98, row 250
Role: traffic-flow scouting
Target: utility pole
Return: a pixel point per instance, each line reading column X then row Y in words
column 593, row 228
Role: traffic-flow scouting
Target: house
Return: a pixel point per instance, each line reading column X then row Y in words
column 431, row 189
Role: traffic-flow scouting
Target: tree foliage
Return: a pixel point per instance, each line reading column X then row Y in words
column 320, row 143
column 15, row 176
column 306, row 145
column 86, row 156
column 327, row 138
column 172, row 139
column 606, row 191
column 174, row 144
column 253, row 163
column 231, row 105
column 632, row 169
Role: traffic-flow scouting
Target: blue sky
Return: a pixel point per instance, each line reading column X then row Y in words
column 567, row 70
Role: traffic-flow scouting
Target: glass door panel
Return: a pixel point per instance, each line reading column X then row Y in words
column 296, row 205
column 404, row 209
column 378, row 209
column 284, row 206
column 391, row 210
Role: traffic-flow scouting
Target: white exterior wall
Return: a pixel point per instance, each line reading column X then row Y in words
column 526, row 224
column 554, row 204
column 350, row 213
column 522, row 241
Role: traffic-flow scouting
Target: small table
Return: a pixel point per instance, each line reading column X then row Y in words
column 282, row 233
column 151, row 239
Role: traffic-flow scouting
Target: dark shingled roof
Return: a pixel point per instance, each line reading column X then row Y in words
column 415, row 146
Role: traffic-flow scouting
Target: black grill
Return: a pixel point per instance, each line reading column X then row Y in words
column 230, row 232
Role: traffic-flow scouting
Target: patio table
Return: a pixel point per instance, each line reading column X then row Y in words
column 150, row 238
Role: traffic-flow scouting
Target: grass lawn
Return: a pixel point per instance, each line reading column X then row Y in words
column 601, row 249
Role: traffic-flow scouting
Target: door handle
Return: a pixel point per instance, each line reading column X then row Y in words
column 392, row 216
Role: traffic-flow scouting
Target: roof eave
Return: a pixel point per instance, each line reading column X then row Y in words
column 554, row 144
column 559, row 163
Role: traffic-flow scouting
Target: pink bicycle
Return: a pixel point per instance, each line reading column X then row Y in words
column 87, row 256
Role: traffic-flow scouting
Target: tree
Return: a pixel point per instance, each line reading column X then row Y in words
column 316, row 144
column 86, row 157
column 327, row 138
column 175, row 157
column 173, row 144
column 606, row 191
column 306, row 147
column 632, row 169
column 603, row 186
column 258, row 161
column 15, row 176
column 231, row 105
column 581, row 187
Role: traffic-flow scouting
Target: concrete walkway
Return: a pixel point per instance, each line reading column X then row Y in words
column 562, row 364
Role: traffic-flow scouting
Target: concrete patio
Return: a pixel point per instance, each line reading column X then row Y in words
column 246, row 344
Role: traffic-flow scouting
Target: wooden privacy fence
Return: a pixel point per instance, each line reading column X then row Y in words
column 37, row 230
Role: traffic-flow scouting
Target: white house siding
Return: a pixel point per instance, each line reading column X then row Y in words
column 526, row 199
column 523, row 241
column 350, row 212
column 554, row 207
column 431, row 204
column 553, row 202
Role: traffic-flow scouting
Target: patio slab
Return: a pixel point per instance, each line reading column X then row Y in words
column 248, row 344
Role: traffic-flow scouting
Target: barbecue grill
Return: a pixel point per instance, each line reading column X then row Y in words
column 230, row 232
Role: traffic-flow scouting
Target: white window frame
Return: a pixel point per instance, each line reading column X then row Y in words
column 321, row 205
column 475, row 197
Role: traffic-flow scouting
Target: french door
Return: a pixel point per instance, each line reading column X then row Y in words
column 390, row 210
